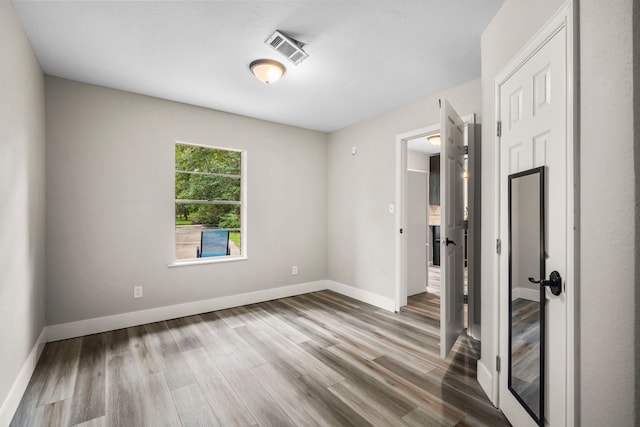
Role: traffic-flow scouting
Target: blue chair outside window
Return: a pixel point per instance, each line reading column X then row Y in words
column 213, row 243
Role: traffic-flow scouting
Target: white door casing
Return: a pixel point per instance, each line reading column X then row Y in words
column 452, row 227
column 401, row 210
column 534, row 106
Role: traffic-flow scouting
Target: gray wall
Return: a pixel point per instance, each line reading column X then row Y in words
column 361, row 187
column 606, row 196
column 22, row 207
column 636, row 137
column 110, row 216
column 607, row 209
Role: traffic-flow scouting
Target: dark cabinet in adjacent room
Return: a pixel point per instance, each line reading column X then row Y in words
column 435, row 229
column 434, row 180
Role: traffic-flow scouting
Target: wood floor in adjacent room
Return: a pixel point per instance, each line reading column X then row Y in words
column 318, row 359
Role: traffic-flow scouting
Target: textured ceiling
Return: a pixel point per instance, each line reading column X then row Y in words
column 366, row 57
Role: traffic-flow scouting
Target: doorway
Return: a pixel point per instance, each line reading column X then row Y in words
column 422, row 203
column 418, row 284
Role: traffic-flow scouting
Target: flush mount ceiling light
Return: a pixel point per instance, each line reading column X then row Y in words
column 267, row 70
column 434, row 139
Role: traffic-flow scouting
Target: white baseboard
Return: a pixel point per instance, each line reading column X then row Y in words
column 485, row 379
column 118, row 321
column 10, row 404
column 474, row 331
column 525, row 293
column 96, row 325
column 379, row 301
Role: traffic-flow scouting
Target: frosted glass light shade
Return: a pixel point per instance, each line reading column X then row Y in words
column 267, row 70
column 434, row 139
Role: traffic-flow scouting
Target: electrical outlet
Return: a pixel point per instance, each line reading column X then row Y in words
column 294, row 270
column 137, row 291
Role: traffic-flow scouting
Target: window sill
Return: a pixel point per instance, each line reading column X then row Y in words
column 208, row 261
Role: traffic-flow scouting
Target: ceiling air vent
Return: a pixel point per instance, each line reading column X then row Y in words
column 287, row 46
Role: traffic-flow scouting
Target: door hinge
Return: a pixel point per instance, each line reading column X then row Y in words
column 497, row 363
column 466, row 299
column 466, row 149
column 499, row 128
column 498, row 246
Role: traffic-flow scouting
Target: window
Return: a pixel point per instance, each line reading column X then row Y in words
column 208, row 202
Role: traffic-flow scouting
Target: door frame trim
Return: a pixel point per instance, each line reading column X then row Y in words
column 400, row 210
column 401, row 215
column 563, row 18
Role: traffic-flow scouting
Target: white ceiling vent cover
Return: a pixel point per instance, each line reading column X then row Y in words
column 287, row 46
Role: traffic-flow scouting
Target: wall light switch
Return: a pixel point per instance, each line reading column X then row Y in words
column 392, row 208
column 354, row 150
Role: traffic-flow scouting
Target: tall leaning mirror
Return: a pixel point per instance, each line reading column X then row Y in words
column 526, row 299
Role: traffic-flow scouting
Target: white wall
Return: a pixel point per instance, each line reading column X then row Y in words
column 607, row 204
column 22, row 207
column 416, row 193
column 417, row 161
column 605, row 394
column 512, row 27
column 110, row 196
column 361, row 230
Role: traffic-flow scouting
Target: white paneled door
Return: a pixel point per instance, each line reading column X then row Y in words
column 452, row 227
column 533, row 112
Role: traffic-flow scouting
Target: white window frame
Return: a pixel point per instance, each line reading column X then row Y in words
column 243, row 210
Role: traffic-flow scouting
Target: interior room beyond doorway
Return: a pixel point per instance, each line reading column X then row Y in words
column 423, row 226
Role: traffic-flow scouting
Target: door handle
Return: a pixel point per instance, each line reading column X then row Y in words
column 448, row 242
column 554, row 283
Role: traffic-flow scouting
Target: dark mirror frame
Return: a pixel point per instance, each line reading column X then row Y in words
column 539, row 418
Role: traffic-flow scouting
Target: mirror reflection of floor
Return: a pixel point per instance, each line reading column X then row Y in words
column 525, row 378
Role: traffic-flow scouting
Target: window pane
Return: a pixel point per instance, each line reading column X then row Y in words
column 206, row 187
column 210, row 216
column 192, row 219
column 187, row 241
column 235, row 241
column 208, row 193
column 202, row 159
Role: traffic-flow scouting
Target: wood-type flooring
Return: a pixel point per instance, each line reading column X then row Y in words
column 426, row 305
column 319, row 359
